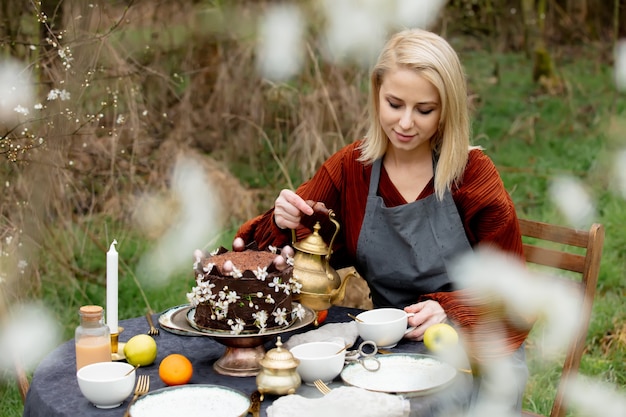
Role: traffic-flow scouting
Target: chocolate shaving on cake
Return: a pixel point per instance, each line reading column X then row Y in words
column 246, row 262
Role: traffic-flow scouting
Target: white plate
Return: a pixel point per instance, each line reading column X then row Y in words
column 195, row 400
column 407, row 374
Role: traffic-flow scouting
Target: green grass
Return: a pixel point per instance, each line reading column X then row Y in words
column 536, row 138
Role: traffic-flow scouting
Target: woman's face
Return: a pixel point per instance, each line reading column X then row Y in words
column 409, row 109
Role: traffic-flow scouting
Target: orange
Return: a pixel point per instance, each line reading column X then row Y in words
column 175, row 369
column 321, row 316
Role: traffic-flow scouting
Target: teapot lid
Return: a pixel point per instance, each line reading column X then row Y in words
column 313, row 244
column 279, row 358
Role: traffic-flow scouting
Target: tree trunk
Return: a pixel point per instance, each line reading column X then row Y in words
column 577, row 11
column 532, row 36
column 10, row 18
column 534, row 23
column 619, row 15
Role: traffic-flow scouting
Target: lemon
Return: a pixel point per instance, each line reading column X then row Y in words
column 140, row 350
column 440, row 336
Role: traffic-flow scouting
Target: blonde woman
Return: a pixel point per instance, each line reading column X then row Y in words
column 410, row 196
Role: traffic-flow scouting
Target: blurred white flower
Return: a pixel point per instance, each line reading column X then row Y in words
column 356, row 28
column 506, row 281
column 192, row 213
column 64, row 95
column 620, row 65
column 27, row 336
column 597, row 398
column 511, row 289
column 574, row 202
column 16, row 90
column 498, row 389
column 280, row 48
column 60, row 94
column 65, row 54
column 420, row 14
column 53, row 94
column 21, row 110
column 21, row 265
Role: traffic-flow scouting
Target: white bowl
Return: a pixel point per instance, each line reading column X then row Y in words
column 319, row 360
column 383, row 326
column 106, row 384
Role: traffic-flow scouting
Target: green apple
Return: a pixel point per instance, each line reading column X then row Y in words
column 440, row 336
column 140, row 350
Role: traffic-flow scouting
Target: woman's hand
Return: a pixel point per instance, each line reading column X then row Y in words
column 425, row 314
column 289, row 208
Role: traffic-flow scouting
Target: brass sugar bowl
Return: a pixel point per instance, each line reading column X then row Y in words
column 278, row 373
column 321, row 284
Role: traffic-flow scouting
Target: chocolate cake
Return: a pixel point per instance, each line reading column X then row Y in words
column 243, row 292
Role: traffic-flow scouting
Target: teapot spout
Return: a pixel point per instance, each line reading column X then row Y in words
column 338, row 294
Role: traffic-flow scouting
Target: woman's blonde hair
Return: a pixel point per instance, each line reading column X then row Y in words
column 433, row 58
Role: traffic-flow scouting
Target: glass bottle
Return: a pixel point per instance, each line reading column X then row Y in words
column 92, row 337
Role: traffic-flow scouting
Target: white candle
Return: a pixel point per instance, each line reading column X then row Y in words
column 111, row 312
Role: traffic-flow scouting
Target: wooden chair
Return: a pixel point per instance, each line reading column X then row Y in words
column 22, row 381
column 587, row 264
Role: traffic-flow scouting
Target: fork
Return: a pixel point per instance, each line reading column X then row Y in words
column 321, row 386
column 153, row 330
column 142, row 387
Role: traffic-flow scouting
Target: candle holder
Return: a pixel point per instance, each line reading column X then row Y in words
column 117, row 347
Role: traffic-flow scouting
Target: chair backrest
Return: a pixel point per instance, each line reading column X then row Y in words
column 586, row 262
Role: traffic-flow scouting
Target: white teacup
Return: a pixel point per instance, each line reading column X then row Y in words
column 106, row 384
column 383, row 326
column 319, row 360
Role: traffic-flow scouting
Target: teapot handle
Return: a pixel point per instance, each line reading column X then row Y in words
column 331, row 217
column 319, row 207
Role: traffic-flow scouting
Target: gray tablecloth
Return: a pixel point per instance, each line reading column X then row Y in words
column 54, row 390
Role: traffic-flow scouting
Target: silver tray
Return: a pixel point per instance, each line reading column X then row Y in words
column 176, row 320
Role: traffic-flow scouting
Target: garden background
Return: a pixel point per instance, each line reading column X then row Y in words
column 165, row 124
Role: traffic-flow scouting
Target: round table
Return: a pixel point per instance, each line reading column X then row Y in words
column 54, row 389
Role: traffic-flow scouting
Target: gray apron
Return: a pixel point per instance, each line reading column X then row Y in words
column 403, row 251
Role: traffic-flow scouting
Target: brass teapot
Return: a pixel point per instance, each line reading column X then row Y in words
column 278, row 373
column 321, row 284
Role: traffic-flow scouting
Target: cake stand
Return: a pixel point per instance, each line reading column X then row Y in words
column 242, row 354
column 243, row 351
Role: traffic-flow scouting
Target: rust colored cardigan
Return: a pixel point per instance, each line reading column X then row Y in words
column 485, row 208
